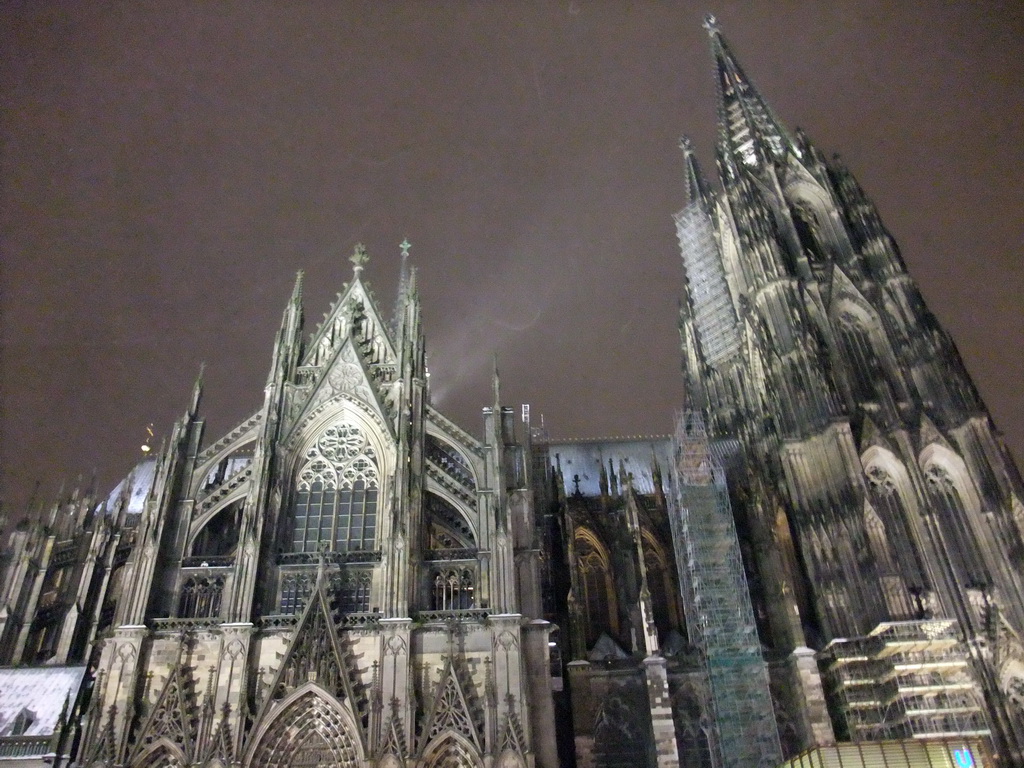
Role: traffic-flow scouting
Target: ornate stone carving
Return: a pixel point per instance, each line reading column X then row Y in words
column 308, row 732
column 175, row 715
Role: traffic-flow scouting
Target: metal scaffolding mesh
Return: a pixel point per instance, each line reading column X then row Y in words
column 719, row 616
column 907, row 679
column 713, row 311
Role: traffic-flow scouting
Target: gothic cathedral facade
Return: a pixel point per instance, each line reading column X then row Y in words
column 828, row 549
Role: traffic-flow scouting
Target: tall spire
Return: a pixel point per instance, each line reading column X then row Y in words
column 707, row 287
column 747, row 124
column 697, row 190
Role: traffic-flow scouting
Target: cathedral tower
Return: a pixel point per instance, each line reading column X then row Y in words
column 874, row 491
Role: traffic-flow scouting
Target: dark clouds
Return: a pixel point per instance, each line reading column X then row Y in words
column 168, row 167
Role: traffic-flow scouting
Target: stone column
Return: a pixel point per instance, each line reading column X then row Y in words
column 656, row 674
column 814, row 723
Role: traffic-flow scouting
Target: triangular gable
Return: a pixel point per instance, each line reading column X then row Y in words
column 315, row 656
column 173, row 717
column 871, row 436
column 512, row 737
column 345, row 374
column 336, row 327
column 606, row 648
column 929, row 434
column 393, row 742
column 105, row 748
column 221, row 747
column 795, row 172
column 450, row 709
column 842, row 287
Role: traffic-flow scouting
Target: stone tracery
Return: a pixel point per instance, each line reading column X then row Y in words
column 308, row 732
column 337, row 493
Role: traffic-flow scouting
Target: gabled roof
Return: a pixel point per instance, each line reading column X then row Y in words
column 43, row 691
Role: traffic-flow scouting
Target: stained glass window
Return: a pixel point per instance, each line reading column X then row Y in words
column 336, row 493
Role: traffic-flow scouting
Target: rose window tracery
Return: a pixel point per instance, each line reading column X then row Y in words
column 336, row 493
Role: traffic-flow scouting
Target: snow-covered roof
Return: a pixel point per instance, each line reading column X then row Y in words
column 42, row 691
column 586, row 458
column 141, row 479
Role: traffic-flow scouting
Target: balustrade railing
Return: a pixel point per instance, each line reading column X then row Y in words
column 208, row 561
column 333, row 558
column 441, row 617
column 442, row 555
column 24, row 746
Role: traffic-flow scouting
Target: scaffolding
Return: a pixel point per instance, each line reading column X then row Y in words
column 719, row 616
column 713, row 310
column 907, row 679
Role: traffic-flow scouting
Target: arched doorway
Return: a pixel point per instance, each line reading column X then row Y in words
column 309, row 731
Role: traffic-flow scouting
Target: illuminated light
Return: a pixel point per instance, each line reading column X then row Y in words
column 149, row 436
column 963, row 758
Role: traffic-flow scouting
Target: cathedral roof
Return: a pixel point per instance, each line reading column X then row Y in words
column 586, row 458
column 40, row 692
column 137, row 487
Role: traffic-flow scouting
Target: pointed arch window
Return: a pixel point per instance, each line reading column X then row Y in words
column 595, row 582
column 660, row 586
column 864, row 370
column 896, row 533
column 454, row 589
column 200, row 597
column 808, row 229
column 336, row 494
column 961, row 544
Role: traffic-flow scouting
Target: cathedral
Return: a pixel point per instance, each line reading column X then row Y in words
column 818, row 564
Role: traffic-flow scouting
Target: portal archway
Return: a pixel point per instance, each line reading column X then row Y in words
column 309, row 731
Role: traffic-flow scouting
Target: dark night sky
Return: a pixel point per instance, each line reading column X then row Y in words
column 168, row 167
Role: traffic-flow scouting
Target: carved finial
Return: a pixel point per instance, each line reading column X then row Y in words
column 197, row 393
column 359, row 257
column 496, row 384
column 405, row 245
column 711, row 23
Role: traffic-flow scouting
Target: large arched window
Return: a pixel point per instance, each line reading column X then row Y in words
column 865, row 371
column 961, row 543
column 660, row 584
column 808, row 229
column 891, row 533
column 336, row 493
column 595, row 583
